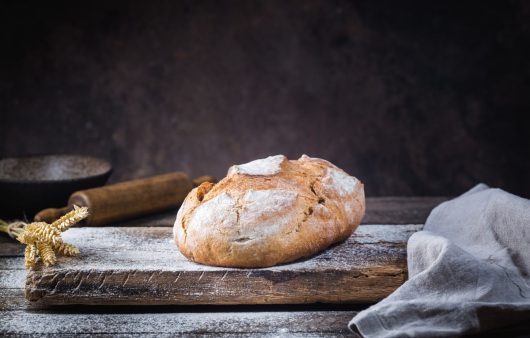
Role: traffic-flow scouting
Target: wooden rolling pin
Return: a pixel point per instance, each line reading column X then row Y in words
column 125, row 200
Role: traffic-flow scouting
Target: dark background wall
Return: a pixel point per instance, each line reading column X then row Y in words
column 422, row 98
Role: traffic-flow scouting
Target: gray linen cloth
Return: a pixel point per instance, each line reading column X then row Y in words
column 468, row 271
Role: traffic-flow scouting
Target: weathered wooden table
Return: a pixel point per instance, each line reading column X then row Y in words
column 19, row 316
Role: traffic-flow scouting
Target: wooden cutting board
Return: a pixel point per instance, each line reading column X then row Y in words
column 142, row 265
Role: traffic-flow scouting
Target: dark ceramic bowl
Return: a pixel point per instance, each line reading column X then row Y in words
column 30, row 184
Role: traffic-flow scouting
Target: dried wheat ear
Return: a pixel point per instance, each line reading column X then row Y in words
column 44, row 240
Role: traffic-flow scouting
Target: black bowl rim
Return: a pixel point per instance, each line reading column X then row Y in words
column 107, row 172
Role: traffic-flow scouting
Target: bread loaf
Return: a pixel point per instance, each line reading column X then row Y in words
column 269, row 211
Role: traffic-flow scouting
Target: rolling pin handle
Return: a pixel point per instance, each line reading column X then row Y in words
column 51, row 214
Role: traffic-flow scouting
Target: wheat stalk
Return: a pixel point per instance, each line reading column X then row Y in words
column 44, row 240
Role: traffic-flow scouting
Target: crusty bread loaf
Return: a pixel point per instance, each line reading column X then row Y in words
column 269, row 211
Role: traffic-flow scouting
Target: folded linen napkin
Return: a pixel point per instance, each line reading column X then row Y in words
column 469, row 271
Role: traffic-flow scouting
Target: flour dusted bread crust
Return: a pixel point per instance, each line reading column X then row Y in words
column 269, row 211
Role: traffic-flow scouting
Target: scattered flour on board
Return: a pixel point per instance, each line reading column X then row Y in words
column 273, row 324
column 148, row 249
column 262, row 167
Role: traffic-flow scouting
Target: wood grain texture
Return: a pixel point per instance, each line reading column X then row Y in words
column 143, row 266
column 12, row 299
column 303, row 320
column 12, row 263
column 399, row 210
column 20, row 317
column 10, row 247
column 299, row 323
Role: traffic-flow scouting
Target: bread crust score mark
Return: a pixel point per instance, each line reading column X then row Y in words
column 269, row 211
